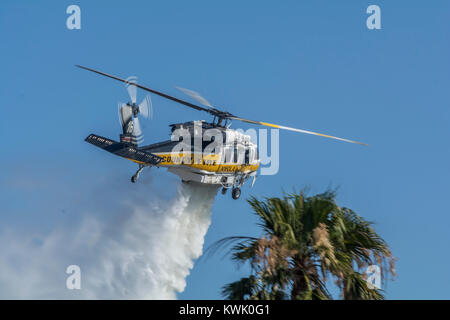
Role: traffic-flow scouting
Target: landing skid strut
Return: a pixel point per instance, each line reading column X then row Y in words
column 136, row 175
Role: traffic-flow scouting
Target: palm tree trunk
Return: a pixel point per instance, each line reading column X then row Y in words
column 299, row 286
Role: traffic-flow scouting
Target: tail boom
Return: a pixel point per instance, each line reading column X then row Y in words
column 124, row 150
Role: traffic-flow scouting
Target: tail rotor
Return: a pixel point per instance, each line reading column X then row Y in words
column 129, row 114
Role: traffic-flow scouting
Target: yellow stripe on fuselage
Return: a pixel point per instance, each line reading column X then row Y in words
column 198, row 161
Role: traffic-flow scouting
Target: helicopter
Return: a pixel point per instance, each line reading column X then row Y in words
column 208, row 153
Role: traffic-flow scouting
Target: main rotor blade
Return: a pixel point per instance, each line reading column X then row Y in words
column 188, row 104
column 218, row 113
column 196, row 96
column 296, row 130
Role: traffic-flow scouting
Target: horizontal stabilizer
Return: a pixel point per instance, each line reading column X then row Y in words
column 124, row 150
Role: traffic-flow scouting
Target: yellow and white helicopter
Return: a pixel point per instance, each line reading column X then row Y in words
column 209, row 152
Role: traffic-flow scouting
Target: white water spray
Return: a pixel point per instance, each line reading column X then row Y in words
column 144, row 251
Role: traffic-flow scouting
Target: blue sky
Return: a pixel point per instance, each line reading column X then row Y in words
column 306, row 64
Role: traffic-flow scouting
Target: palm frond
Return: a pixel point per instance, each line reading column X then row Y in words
column 306, row 240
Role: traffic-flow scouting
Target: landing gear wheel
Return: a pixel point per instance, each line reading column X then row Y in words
column 133, row 179
column 224, row 190
column 236, row 193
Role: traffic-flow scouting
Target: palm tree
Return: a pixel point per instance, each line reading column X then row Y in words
column 306, row 241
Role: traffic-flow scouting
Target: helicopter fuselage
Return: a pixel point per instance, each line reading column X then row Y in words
column 211, row 162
